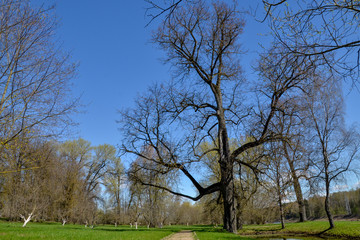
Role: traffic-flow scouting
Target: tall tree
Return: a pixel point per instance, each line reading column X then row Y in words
column 207, row 100
column 34, row 74
column 335, row 146
column 292, row 124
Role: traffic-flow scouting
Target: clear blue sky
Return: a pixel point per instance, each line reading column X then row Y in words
column 110, row 41
column 117, row 61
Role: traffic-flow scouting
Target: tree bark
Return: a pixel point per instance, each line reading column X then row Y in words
column 227, row 178
column 327, row 197
column 239, row 220
column 281, row 208
column 297, row 186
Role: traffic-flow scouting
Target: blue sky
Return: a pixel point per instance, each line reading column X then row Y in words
column 117, row 61
column 110, row 41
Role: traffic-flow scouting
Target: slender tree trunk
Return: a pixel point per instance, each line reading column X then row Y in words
column 281, row 208
column 347, row 206
column 26, row 220
column 278, row 189
column 297, row 186
column 327, row 198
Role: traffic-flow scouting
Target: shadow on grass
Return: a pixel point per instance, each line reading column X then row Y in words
column 135, row 230
column 322, row 232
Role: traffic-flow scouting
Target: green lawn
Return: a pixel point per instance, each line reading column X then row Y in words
column 342, row 230
column 350, row 229
column 14, row 231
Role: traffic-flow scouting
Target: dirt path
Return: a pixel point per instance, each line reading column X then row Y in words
column 183, row 235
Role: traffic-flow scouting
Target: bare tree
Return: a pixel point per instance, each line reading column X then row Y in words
column 207, row 100
column 335, row 147
column 34, row 74
column 325, row 28
column 292, row 125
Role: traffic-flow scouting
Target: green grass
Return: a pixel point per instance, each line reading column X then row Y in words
column 343, row 229
column 15, row 231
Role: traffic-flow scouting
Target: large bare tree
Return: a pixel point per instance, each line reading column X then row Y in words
column 208, row 101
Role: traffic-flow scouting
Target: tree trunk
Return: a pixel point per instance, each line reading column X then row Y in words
column 327, row 200
column 227, row 178
column 229, row 208
column 239, row 220
column 281, row 208
column 297, row 186
column 347, row 206
column 279, row 193
column 299, row 196
column 26, row 220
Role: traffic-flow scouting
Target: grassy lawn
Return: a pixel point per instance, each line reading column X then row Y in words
column 349, row 229
column 10, row 230
column 14, row 231
column 343, row 229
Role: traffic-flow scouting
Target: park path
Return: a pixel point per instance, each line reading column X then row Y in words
column 182, row 235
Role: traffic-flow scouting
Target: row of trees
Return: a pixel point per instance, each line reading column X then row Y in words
column 74, row 182
column 35, row 103
column 287, row 124
column 56, row 181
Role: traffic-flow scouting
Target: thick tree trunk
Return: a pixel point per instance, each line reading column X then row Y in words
column 227, row 180
column 299, row 196
column 239, row 220
column 297, row 186
column 229, row 207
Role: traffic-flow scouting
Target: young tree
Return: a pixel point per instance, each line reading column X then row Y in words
column 279, row 178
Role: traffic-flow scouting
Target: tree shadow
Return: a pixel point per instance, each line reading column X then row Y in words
column 322, row 232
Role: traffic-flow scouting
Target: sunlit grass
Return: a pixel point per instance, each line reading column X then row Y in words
column 342, row 229
column 79, row 232
column 15, row 231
